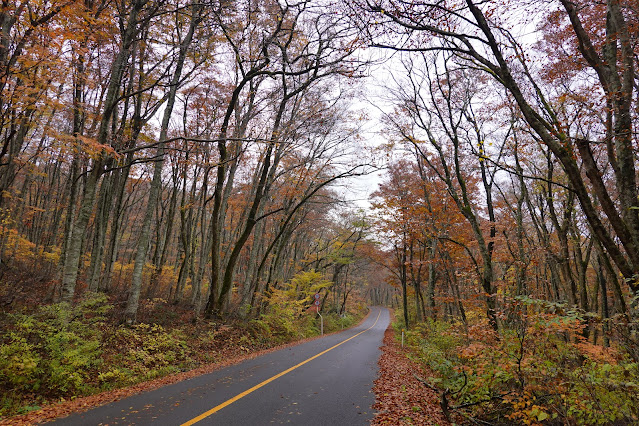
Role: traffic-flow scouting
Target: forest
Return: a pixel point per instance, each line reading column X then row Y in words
column 178, row 182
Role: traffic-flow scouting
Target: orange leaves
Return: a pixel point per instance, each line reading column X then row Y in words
column 400, row 398
column 597, row 353
column 93, row 149
column 84, row 145
column 472, row 351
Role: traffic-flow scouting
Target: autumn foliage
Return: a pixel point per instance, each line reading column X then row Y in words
column 515, row 119
column 197, row 156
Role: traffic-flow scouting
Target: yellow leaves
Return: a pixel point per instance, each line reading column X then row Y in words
column 525, row 410
column 21, row 248
column 53, row 257
column 7, row 194
column 305, row 284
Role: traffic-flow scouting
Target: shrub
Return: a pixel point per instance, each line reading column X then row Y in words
column 57, row 348
column 19, row 364
column 288, row 315
column 284, row 317
column 539, row 369
column 147, row 351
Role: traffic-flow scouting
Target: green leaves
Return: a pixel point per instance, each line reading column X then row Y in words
column 151, row 351
column 57, row 348
column 536, row 372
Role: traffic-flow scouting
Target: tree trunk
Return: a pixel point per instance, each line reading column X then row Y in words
column 72, row 256
column 130, row 312
column 74, row 249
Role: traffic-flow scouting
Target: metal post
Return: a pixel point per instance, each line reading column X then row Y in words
column 321, row 323
column 402, row 337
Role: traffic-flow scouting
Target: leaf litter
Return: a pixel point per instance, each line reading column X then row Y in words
column 401, row 399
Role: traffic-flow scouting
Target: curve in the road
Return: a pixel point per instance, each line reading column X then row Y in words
column 330, row 383
column 269, row 380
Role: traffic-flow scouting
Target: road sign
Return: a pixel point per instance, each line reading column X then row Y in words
column 317, row 302
column 317, row 296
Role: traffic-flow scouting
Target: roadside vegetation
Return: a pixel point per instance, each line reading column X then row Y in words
column 59, row 352
column 400, row 395
column 175, row 178
column 540, row 369
column 510, row 209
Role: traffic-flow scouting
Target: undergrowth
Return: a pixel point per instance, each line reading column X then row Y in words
column 539, row 369
column 59, row 351
column 291, row 313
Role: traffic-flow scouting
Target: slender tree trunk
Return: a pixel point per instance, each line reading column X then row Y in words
column 605, row 313
column 99, row 235
column 432, row 278
column 205, row 248
column 130, row 311
column 74, row 249
column 164, row 242
column 114, row 232
column 72, row 256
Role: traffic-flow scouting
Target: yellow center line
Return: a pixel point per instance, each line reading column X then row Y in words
column 267, row 381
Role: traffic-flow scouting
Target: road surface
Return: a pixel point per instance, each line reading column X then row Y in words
column 326, row 381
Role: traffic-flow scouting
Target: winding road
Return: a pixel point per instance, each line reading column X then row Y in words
column 325, row 381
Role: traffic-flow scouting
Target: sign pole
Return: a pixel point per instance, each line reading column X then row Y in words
column 317, row 305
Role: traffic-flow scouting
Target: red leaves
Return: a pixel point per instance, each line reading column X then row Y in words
column 400, row 397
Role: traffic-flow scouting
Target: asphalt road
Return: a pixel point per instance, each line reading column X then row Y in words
column 326, row 381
